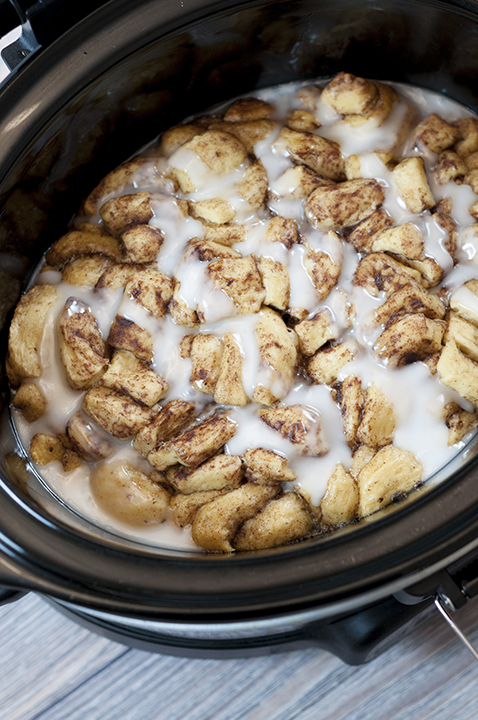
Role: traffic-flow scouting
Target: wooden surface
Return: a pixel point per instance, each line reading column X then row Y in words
column 52, row 669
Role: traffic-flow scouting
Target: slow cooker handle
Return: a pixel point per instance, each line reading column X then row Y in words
column 42, row 22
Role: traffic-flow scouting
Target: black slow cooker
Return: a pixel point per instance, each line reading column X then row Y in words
column 79, row 101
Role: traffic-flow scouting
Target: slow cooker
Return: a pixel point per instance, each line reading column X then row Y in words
column 88, row 87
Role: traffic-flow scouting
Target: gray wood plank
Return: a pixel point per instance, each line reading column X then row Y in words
column 43, row 655
column 51, row 669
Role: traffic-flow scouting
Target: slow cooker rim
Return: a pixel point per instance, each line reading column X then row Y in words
column 58, row 556
column 23, row 74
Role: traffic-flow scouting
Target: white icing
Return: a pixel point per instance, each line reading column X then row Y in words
column 464, row 299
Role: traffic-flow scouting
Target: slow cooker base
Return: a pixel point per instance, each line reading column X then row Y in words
column 355, row 639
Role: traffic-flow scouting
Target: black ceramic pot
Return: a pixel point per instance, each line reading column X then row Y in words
column 74, row 110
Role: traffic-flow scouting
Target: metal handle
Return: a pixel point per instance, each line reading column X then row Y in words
column 441, row 605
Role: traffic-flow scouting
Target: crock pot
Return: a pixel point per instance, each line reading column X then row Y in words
column 80, row 103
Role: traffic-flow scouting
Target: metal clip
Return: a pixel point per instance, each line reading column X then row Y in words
column 15, row 53
column 441, row 604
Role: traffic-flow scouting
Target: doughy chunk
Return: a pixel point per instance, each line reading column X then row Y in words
column 339, row 504
column 125, row 334
column 450, row 166
column 207, row 250
column 459, row 422
column 468, row 128
column 254, row 185
column 30, row 400
column 128, row 494
column 410, row 339
column 267, row 467
column 380, row 111
column 363, row 235
column 278, row 355
column 142, row 243
column 315, row 331
column 377, row 424
column 45, row 448
column 379, row 271
column 390, row 472
column 276, row 283
column 249, row 132
column 169, row 422
column 299, row 425
column 464, row 333
column 403, row 239
column 131, row 376
column 26, row 332
column 463, row 300
column 297, row 182
column 215, row 524
column 443, row 220
column 352, row 399
column 206, row 353
column 152, row 290
column 115, row 180
column 320, row 155
column 302, row 121
column 459, row 372
column 220, row 151
column 350, row 95
column 86, row 270
column 195, row 445
column 326, row 364
column 82, row 242
column 240, row 280
column 343, row 205
column 213, row 210
column 283, row 230
column 226, row 235
column 82, row 348
column 179, row 311
column 116, row 276
column 471, row 179
column 283, row 520
column 430, row 271
column 250, row 108
column 121, row 213
column 229, row 389
column 115, row 412
column 322, row 270
column 409, row 299
column 184, row 507
column 217, row 473
column 174, row 137
column 436, row 133
column 412, row 184
column 308, row 96
column 362, row 455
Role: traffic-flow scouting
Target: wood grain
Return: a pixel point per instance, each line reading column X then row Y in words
column 51, row 669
